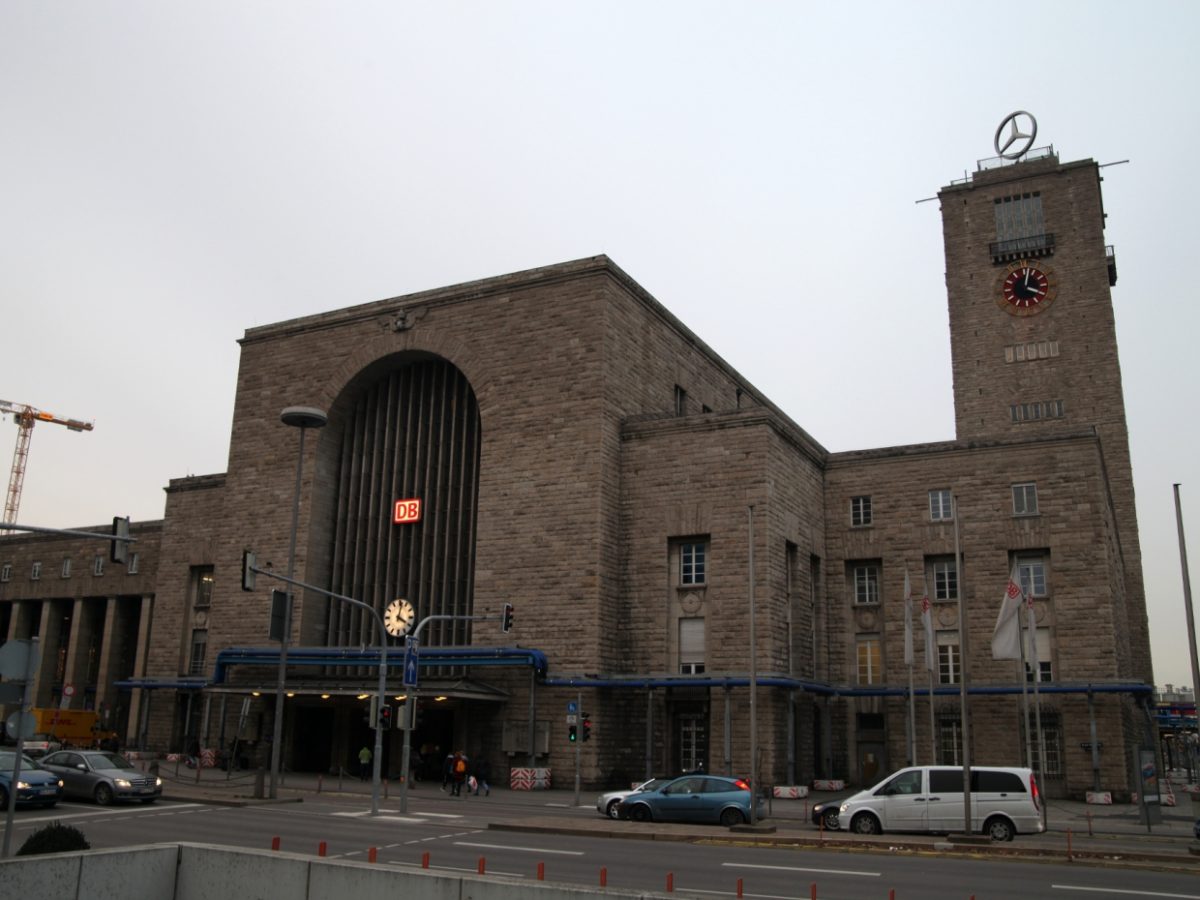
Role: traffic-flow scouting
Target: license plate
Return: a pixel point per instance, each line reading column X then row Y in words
column 146, row 790
column 48, row 791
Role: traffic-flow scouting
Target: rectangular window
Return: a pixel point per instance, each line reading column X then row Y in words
column 941, row 509
column 199, row 651
column 860, row 511
column 949, row 658
column 944, row 575
column 949, row 742
column 680, row 401
column 866, row 584
column 1044, row 661
column 1025, row 499
column 691, row 646
column 1019, row 217
column 132, row 569
column 36, row 572
column 66, row 567
column 691, row 563
column 1031, row 572
column 98, row 566
column 202, row 579
column 6, row 572
column 870, row 661
column 1052, row 739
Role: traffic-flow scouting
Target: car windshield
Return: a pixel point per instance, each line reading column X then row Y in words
column 8, row 760
column 108, row 761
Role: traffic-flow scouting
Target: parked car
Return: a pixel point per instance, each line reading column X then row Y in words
column 102, row 776
column 35, row 786
column 825, row 814
column 41, row 744
column 1004, row 802
column 693, row 798
column 607, row 803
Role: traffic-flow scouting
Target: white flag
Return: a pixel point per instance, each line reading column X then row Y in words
column 931, row 662
column 1006, row 637
column 908, row 637
column 1031, row 651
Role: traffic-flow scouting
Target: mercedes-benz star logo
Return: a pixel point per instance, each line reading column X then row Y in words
column 1018, row 133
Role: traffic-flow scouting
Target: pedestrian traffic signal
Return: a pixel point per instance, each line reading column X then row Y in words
column 572, row 733
column 587, row 727
column 506, row 620
column 385, row 717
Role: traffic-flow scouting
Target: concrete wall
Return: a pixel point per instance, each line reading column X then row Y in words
column 204, row 872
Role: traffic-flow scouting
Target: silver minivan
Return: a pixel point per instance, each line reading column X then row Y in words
column 1004, row 802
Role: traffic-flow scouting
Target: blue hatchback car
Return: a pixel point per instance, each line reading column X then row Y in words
column 693, row 798
column 35, row 786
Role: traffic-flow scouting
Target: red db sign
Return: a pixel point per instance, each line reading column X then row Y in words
column 406, row 511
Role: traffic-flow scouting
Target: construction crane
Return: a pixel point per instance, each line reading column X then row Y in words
column 26, row 417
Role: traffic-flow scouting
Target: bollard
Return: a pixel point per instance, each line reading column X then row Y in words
column 603, row 877
column 739, row 889
column 482, row 866
column 541, row 875
column 275, row 843
column 425, row 860
column 814, row 891
column 372, row 854
column 321, row 847
column 670, row 882
column 1089, row 818
column 891, row 894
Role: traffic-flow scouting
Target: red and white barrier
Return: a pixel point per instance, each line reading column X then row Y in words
column 789, row 791
column 829, row 784
column 529, row 779
column 1103, row 798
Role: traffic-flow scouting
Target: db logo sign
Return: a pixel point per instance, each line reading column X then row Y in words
column 406, row 511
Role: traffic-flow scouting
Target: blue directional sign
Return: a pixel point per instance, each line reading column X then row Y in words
column 572, row 707
column 410, row 663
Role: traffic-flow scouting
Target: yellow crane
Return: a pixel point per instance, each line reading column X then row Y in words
column 26, row 417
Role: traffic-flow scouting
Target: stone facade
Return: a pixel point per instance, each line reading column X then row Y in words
column 661, row 530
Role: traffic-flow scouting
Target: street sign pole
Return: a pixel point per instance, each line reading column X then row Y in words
column 578, row 751
column 31, row 661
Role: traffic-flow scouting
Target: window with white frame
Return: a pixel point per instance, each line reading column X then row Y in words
column 692, row 569
column 1045, row 665
column 132, row 568
column 949, row 658
column 66, row 567
column 943, row 575
column 98, row 565
column 1031, row 573
column 6, row 572
column 1052, row 740
column 1024, row 496
column 202, row 580
column 870, row 660
column 860, row 511
column 941, row 509
column 199, row 651
column 949, row 742
column 691, row 646
column 35, row 572
column 866, row 583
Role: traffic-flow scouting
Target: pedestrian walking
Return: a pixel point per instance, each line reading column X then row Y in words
column 458, row 773
column 483, row 777
column 364, row 763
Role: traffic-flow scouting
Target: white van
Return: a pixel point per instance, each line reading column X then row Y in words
column 1004, row 802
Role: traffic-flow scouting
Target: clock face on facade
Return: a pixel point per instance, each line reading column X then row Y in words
column 1026, row 289
column 398, row 617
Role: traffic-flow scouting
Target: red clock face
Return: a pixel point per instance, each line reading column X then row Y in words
column 1026, row 289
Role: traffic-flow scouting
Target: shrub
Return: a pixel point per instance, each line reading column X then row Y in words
column 54, row 838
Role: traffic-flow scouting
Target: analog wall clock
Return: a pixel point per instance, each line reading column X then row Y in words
column 1026, row 288
column 398, row 618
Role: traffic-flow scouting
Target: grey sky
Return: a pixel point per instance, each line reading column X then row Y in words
column 174, row 173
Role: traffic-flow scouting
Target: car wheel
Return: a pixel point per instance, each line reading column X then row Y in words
column 999, row 829
column 611, row 809
column 3, row 798
column 865, row 823
column 640, row 812
column 829, row 818
column 103, row 794
column 731, row 817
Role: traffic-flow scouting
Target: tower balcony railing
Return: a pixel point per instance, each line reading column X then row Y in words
column 1028, row 247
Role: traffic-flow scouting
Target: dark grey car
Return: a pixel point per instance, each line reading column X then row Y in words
column 102, row 776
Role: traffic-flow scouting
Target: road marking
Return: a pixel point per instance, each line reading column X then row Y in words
column 1099, row 890
column 520, row 849
column 61, row 812
column 471, row 870
column 410, row 820
column 803, row 869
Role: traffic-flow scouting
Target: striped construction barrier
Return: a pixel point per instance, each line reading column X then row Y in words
column 529, row 779
column 829, row 784
column 1103, row 798
column 789, row 791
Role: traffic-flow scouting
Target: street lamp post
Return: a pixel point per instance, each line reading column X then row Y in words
column 304, row 418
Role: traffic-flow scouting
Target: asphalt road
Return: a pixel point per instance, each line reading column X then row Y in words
column 456, row 836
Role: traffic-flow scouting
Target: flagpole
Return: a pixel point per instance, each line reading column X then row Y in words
column 964, row 712
column 932, row 728
column 1025, row 706
column 908, row 658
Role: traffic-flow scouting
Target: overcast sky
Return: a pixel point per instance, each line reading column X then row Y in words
column 174, row 173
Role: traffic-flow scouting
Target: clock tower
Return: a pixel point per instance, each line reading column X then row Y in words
column 1033, row 337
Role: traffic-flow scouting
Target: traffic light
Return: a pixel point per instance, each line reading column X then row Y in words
column 587, row 727
column 118, row 552
column 249, row 561
column 277, row 630
column 385, row 717
column 572, row 733
column 506, row 621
